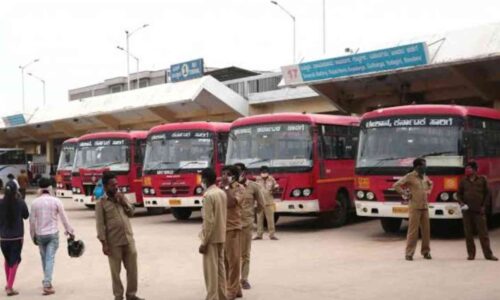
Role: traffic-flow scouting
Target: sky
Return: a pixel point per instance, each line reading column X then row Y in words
column 76, row 41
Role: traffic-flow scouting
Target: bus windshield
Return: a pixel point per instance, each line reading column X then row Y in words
column 282, row 145
column 396, row 142
column 67, row 157
column 179, row 151
column 112, row 154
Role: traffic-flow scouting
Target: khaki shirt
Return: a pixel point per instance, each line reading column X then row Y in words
column 268, row 185
column 23, row 181
column 252, row 197
column 112, row 219
column 214, row 216
column 419, row 188
column 474, row 193
column 234, row 213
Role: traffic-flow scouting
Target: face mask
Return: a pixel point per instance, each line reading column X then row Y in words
column 204, row 185
column 230, row 178
column 421, row 170
column 264, row 175
column 469, row 172
column 242, row 178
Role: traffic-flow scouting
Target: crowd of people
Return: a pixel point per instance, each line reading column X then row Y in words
column 229, row 210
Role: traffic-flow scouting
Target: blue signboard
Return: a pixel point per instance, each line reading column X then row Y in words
column 370, row 62
column 14, row 120
column 186, row 70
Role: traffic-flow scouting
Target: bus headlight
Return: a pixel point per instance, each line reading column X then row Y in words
column 296, row 193
column 78, row 191
column 124, row 189
column 360, row 195
column 444, row 196
column 370, row 196
column 198, row 190
column 145, row 191
column 73, row 190
column 455, row 196
column 152, row 191
column 307, row 192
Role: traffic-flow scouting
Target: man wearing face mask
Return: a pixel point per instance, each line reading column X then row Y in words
column 416, row 187
column 252, row 198
column 114, row 232
column 473, row 193
column 268, row 185
column 213, row 236
column 234, row 192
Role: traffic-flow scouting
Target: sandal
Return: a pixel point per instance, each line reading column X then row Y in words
column 11, row 292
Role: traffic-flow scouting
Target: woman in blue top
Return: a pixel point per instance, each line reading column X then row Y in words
column 12, row 212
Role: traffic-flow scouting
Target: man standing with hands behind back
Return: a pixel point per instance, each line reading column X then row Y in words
column 473, row 194
column 213, row 236
column 115, row 233
column 419, row 187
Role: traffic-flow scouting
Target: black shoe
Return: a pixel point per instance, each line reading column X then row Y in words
column 493, row 258
column 427, row 256
column 274, row 238
column 470, row 257
column 409, row 257
column 257, row 238
column 245, row 285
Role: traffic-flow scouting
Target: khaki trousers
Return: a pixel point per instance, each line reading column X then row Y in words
column 215, row 272
column 418, row 219
column 268, row 212
column 246, row 248
column 478, row 221
column 128, row 256
column 232, row 261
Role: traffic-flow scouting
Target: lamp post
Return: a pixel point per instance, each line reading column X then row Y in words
column 136, row 61
column 128, row 35
column 23, row 67
column 324, row 27
column 293, row 20
column 43, row 85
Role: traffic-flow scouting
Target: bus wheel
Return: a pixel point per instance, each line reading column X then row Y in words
column 337, row 217
column 155, row 210
column 182, row 213
column 90, row 206
column 391, row 225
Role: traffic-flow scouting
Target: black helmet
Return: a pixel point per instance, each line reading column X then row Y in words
column 75, row 248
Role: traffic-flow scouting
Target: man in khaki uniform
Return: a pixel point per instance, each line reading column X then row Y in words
column 115, row 233
column 234, row 192
column 213, row 236
column 416, row 187
column 252, row 198
column 268, row 185
column 473, row 194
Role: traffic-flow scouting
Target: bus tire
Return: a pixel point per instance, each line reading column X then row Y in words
column 90, row 206
column 181, row 213
column 337, row 217
column 152, row 211
column 391, row 225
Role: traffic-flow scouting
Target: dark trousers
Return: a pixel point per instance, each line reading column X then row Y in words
column 23, row 193
column 478, row 221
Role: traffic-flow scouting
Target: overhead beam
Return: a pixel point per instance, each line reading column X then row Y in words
column 31, row 133
column 109, row 121
column 163, row 113
column 475, row 80
column 66, row 128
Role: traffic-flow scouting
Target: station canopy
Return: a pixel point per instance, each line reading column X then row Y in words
column 203, row 98
column 461, row 67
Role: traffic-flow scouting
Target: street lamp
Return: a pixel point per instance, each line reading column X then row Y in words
column 136, row 60
column 324, row 27
column 43, row 85
column 22, row 67
column 128, row 35
column 293, row 19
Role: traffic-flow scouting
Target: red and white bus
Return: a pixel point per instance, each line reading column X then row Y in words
column 118, row 152
column 310, row 155
column 64, row 168
column 175, row 156
column 447, row 136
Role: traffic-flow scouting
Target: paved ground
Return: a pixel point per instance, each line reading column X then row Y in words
column 357, row 262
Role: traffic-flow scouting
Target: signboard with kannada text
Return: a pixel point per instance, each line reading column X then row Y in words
column 186, row 70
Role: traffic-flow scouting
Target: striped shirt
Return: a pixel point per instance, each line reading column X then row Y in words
column 45, row 211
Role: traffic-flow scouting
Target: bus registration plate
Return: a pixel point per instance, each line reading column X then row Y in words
column 400, row 210
column 174, row 202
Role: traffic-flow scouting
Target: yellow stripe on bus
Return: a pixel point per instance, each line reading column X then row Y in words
column 330, row 180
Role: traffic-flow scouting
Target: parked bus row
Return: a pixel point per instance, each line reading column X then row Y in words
column 325, row 165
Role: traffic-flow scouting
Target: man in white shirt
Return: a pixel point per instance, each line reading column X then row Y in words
column 44, row 229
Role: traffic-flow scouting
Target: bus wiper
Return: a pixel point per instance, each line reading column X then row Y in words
column 185, row 165
column 105, row 164
column 438, row 153
column 258, row 161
